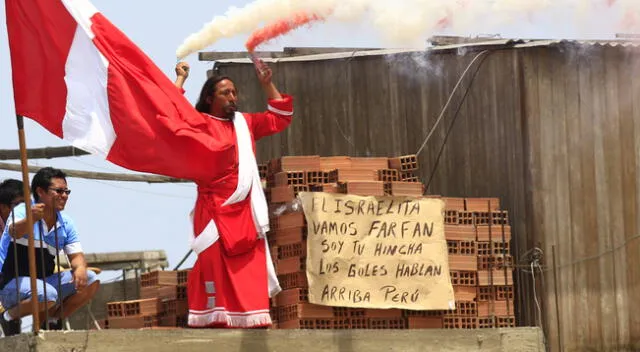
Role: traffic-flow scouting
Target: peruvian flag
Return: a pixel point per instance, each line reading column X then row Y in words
column 83, row 80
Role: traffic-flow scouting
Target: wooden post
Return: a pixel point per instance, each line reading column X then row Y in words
column 31, row 240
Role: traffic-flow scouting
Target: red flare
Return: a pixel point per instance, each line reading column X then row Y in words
column 279, row 28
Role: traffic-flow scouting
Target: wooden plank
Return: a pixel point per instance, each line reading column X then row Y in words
column 42, row 153
column 613, row 164
column 548, row 228
column 516, row 175
column 108, row 176
column 589, row 271
column 607, row 282
column 559, row 174
column 575, row 202
column 629, row 120
column 632, row 211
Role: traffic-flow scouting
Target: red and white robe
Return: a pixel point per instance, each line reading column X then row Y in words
column 233, row 277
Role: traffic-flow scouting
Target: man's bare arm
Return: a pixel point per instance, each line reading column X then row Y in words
column 20, row 228
column 182, row 73
column 79, row 268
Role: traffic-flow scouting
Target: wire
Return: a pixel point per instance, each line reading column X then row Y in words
column 444, row 108
column 453, row 121
column 77, row 159
column 535, row 295
column 143, row 191
column 545, row 268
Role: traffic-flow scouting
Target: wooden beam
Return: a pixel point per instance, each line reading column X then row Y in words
column 226, row 55
column 106, row 176
column 42, row 153
column 632, row 36
column 287, row 52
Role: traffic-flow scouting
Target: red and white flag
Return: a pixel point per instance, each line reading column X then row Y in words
column 81, row 78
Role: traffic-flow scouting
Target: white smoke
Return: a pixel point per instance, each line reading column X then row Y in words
column 410, row 22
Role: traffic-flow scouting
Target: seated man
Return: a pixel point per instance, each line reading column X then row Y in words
column 10, row 195
column 73, row 288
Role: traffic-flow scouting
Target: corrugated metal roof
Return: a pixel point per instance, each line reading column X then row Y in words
column 501, row 43
column 612, row 43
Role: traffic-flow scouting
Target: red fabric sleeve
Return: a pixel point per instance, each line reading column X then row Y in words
column 277, row 117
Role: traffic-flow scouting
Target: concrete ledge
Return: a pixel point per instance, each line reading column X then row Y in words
column 191, row 340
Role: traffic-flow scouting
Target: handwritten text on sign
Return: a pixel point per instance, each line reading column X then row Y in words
column 376, row 252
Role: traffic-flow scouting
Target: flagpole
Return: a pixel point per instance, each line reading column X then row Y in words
column 32, row 249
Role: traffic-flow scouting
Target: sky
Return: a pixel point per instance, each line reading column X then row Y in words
column 121, row 216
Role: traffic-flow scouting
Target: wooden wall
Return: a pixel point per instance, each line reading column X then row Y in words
column 554, row 131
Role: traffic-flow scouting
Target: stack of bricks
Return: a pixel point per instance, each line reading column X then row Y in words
column 162, row 303
column 481, row 265
column 376, row 176
column 286, row 177
column 476, row 230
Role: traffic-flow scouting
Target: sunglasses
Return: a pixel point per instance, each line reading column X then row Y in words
column 61, row 191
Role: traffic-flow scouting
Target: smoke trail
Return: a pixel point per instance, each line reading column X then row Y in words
column 410, row 22
column 279, row 28
column 244, row 20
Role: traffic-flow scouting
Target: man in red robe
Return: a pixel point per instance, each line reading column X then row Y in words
column 233, row 277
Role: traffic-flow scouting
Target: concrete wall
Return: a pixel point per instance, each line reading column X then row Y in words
column 489, row 340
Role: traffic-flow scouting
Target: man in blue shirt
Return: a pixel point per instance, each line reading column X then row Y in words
column 54, row 232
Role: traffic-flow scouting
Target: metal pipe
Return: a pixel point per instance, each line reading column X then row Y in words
column 44, row 281
column 59, row 288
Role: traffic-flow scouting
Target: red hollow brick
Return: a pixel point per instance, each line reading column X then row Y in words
column 460, row 322
column 373, row 163
column 464, row 293
column 460, row 262
column 463, row 309
column 289, row 220
column 498, row 308
column 286, row 194
column 287, row 178
column 388, row 175
column 362, row 188
column 293, row 280
column 453, row 203
column 404, row 163
column 346, row 175
column 159, row 278
column 409, row 189
column 134, row 322
column 493, row 233
column 482, row 204
column 329, row 163
column 387, row 323
column 315, row 324
column 290, row 265
column 150, row 306
column 304, row 310
column 295, row 163
column 289, row 235
column 495, row 277
column 424, row 322
column 317, row 177
column 459, row 232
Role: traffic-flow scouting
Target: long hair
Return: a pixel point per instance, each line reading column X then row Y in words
column 207, row 91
